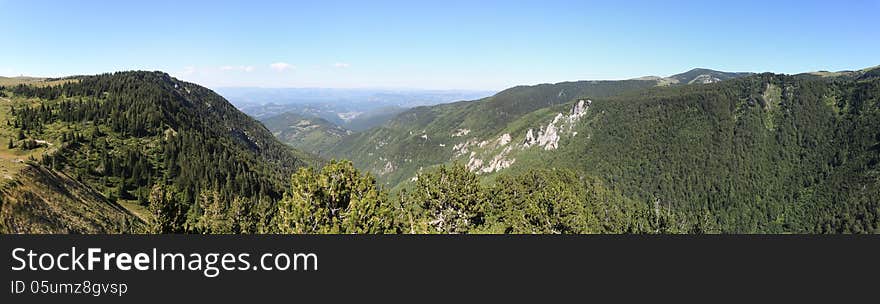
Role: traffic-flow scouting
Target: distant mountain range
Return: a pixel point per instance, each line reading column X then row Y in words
column 356, row 109
column 334, row 109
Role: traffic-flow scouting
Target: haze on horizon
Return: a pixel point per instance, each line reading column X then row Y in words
column 468, row 45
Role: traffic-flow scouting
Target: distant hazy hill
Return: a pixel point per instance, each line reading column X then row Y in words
column 35, row 81
column 353, row 109
column 308, row 133
column 703, row 76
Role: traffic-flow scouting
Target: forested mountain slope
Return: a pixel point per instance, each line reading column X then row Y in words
column 768, row 153
column 757, row 153
column 173, row 153
column 764, row 153
column 425, row 136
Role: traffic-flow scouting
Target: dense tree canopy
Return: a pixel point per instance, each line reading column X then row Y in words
column 338, row 199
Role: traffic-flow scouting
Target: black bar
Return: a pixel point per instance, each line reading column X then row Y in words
column 417, row 268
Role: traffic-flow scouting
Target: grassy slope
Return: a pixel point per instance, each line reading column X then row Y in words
column 40, row 200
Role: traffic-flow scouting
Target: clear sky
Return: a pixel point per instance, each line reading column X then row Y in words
column 432, row 44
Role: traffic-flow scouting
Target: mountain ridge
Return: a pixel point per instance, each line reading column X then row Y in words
column 410, row 130
column 759, row 153
column 165, row 149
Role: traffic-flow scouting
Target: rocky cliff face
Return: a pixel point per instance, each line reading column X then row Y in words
column 498, row 153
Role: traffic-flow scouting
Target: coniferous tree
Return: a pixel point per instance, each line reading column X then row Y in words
column 338, row 199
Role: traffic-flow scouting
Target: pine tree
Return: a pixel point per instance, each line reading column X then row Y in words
column 338, row 199
column 450, row 197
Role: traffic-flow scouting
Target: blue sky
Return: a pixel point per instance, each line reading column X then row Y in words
column 432, row 44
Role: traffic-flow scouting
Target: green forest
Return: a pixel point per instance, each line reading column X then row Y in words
column 763, row 153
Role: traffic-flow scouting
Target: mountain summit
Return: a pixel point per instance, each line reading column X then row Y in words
column 700, row 75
